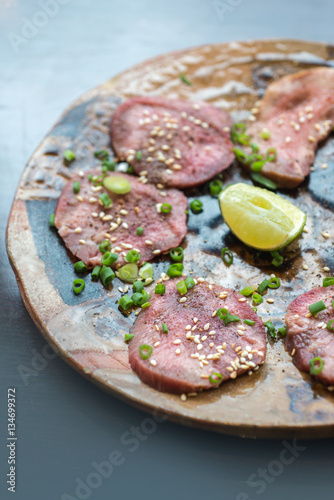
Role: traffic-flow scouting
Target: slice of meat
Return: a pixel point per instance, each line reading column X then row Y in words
column 306, row 339
column 182, row 144
column 298, row 111
column 119, row 223
column 184, row 358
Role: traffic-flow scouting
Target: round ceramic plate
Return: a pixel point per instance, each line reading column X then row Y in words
column 87, row 331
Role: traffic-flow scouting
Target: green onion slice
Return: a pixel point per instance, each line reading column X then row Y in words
column 145, row 351
column 317, row 307
column 215, row 378
column 182, row 287
column 166, row 208
column 215, row 187
column 101, row 155
column 316, row 365
column 329, row 281
column 125, row 302
column 105, row 200
column 144, row 306
column 138, row 286
column 265, row 134
column 260, row 179
column 263, row 286
column 78, row 286
column 128, row 336
column 109, row 258
column 258, row 165
column 105, row 246
column 274, row 283
column 164, row 328
column 117, row 184
column 282, row 330
column 132, row 256
column 69, row 156
column 80, row 267
column 329, row 325
column 249, row 322
column 76, row 187
column 241, row 156
column 236, row 130
column 225, row 316
column 278, row 259
column 175, row 270
column 227, row 256
column 160, row 289
column 146, row 271
column 270, row 329
column 196, row 206
column 247, row 291
column 106, row 275
column 52, row 220
column 96, row 273
column 139, row 155
column 108, row 165
column 190, row 283
column 185, row 79
column 176, row 254
column 257, row 298
column 271, row 154
column 140, row 231
column 128, row 273
column 255, row 147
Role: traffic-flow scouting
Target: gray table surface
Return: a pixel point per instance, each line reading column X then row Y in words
column 65, row 424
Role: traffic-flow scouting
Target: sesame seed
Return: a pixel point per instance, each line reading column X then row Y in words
column 200, row 280
column 92, row 200
column 324, row 166
column 305, row 230
column 288, row 139
column 125, row 225
column 240, row 332
column 302, row 119
column 195, row 320
column 305, row 267
column 223, row 295
column 204, row 375
column 311, row 138
column 127, row 245
column 243, row 299
column 184, row 299
column 94, row 214
column 188, row 327
column 293, row 352
column 226, row 129
column 204, row 338
column 194, row 328
column 113, row 226
column 178, row 351
column 325, row 234
column 177, row 341
column 199, row 347
column 153, row 362
column 78, row 230
column 82, row 242
column 308, row 315
column 183, row 397
column 120, row 289
column 156, row 252
column 206, row 327
column 106, row 218
column 270, row 301
column 213, row 332
column 176, row 166
column 214, row 314
column 148, row 242
column 233, row 375
column 326, row 269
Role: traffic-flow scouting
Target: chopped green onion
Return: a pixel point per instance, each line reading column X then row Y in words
column 244, row 139
column 241, row 156
column 316, row 365
column 215, row 378
column 146, row 271
column 101, row 155
column 166, row 208
column 227, row 256
column 130, row 170
column 105, row 246
column 257, row 298
column 176, row 254
column 278, row 259
column 236, row 130
column 265, row 134
column 190, row 283
column 270, row 329
column 69, row 156
column 76, row 187
column 128, row 336
column 255, row 308
column 96, row 273
column 329, row 281
column 257, row 166
column 132, row 256
column 249, row 322
column 128, row 273
column 106, row 275
column 52, row 220
column 317, row 307
column 271, row 154
column 215, row 187
column 145, row 351
column 78, row 286
column 263, row 286
column 139, row 155
column 140, row 298
column 80, row 267
column 329, row 325
column 282, row 331
column 138, row 286
column 97, row 180
column 255, row 147
column 125, row 302
column 225, row 316
column 146, row 305
column 182, row 287
column 108, row 165
column 247, row 291
column 117, row 184
column 274, row 283
column 185, row 79
column 140, row 231
column 109, row 258
column 164, row 328
column 160, row 289
column 260, row 179
column 196, row 206
column 175, row 270
column 106, row 201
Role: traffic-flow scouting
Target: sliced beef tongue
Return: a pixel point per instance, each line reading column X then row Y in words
column 308, row 336
column 298, row 112
column 198, row 343
column 83, row 223
column 175, row 143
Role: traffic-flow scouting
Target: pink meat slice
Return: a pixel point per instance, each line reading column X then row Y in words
column 298, row 111
column 226, row 351
column 306, row 339
column 128, row 212
column 182, row 144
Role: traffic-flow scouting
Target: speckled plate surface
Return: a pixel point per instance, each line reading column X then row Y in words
column 87, row 331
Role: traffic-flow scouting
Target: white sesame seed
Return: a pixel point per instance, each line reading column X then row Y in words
column 82, row 242
column 223, row 295
column 94, row 214
column 206, row 327
column 240, row 332
column 293, row 352
column 213, row 332
column 153, row 362
column 120, row 289
column 127, row 245
column 148, row 242
column 188, row 335
column 204, row 338
column 177, row 341
column 195, row 320
column 125, row 225
column 325, row 234
column 204, row 375
column 184, row 299
column 214, row 314
column 157, row 344
column 326, row 269
column 123, row 212
column 200, row 280
column 78, row 230
column 176, row 166
column 296, row 316
column 178, row 351
column 243, row 299
column 288, row 139
column 188, row 327
column 113, row 226
column 233, row 375
column 305, row 267
column 183, row 397
column 311, row 138
column 126, row 288
column 95, row 189
column 194, row 328
column 199, row 347
column 270, row 301
column 308, row 315
column 92, row 200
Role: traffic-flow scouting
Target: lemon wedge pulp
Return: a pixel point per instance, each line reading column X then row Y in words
column 260, row 218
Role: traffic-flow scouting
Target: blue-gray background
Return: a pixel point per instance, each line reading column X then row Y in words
column 64, row 422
